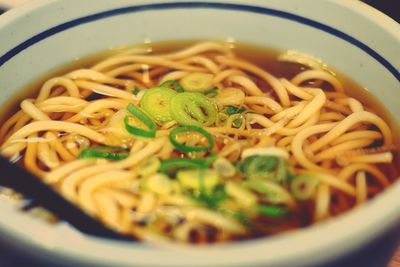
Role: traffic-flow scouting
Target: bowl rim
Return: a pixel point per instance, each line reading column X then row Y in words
column 233, row 5
column 319, row 249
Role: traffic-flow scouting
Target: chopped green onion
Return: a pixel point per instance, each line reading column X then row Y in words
column 265, row 167
column 169, row 166
column 272, row 211
column 259, row 167
column 156, row 103
column 304, row 186
column 209, row 159
column 243, row 218
column 273, row 193
column 290, row 175
column 237, row 122
column 140, row 115
column 204, row 179
column 230, row 110
column 197, row 82
column 282, row 171
column 136, row 90
column 224, row 167
column 211, row 93
column 174, row 85
column 107, row 152
column 212, row 199
column 193, row 109
column 191, row 128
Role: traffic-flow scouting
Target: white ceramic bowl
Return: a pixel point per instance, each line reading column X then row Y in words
column 347, row 34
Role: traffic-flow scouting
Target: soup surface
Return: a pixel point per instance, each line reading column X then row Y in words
column 203, row 142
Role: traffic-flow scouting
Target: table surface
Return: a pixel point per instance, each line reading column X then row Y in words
column 389, row 7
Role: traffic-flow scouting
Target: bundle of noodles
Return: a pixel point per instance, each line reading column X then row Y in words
column 201, row 146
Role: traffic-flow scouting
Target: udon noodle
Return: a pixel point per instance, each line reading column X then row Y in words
column 200, row 145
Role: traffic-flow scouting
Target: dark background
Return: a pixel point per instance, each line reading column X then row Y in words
column 389, row 7
column 9, row 259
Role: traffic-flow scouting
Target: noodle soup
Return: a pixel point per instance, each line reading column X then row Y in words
column 202, row 142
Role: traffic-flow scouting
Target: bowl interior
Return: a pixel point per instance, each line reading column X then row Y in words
column 45, row 35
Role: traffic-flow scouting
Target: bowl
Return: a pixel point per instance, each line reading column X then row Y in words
column 350, row 36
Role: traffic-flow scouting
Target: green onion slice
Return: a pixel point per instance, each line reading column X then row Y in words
column 271, row 191
column 240, row 216
column 156, row 103
column 303, row 186
column 230, row 110
column 212, row 199
column 191, row 128
column 136, row 90
column 211, row 93
column 152, row 127
column 238, row 122
column 282, row 171
column 197, row 82
column 174, row 85
column 259, row 167
column 272, row 211
column 193, row 109
column 107, row 152
column 169, row 166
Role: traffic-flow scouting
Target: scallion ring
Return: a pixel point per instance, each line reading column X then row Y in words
column 191, row 128
column 174, row 85
column 140, row 115
column 193, row 109
column 155, row 102
column 304, row 186
column 107, row 152
column 230, row 110
column 272, row 211
column 259, row 167
column 197, row 82
column 170, row 166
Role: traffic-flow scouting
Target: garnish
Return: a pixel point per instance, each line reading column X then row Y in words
column 142, row 117
column 193, row 109
column 197, row 82
column 174, row 85
column 156, row 103
column 191, row 128
column 107, row 152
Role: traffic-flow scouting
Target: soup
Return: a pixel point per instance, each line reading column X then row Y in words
column 204, row 142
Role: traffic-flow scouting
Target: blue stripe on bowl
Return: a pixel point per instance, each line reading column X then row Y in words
column 195, row 5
